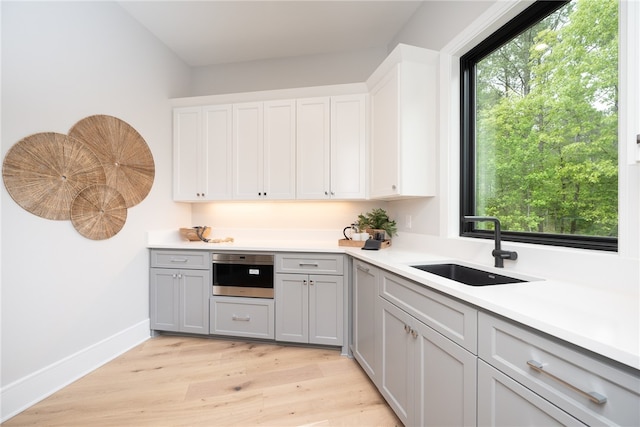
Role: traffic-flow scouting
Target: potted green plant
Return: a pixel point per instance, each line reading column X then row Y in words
column 377, row 219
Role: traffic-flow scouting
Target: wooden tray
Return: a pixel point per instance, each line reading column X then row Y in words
column 360, row 243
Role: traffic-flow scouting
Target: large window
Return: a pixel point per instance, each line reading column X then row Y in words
column 539, row 122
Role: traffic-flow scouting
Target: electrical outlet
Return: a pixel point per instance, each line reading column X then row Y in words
column 407, row 221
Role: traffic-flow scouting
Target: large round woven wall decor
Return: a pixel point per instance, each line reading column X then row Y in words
column 98, row 212
column 44, row 173
column 124, row 154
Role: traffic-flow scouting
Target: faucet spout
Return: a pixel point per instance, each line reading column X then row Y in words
column 499, row 254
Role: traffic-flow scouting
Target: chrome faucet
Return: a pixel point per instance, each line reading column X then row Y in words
column 497, row 253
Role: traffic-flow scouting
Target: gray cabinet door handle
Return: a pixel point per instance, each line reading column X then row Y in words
column 180, row 260
column 241, row 319
column 591, row 395
column 361, row 268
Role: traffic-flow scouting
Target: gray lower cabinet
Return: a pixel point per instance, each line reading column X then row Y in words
column 309, row 308
column 440, row 362
column 532, row 379
column 427, row 379
column 365, row 317
column 309, row 298
column 407, row 339
column 179, row 297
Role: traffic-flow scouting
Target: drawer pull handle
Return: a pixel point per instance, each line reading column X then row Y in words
column 365, row 269
column 241, row 319
column 310, row 264
column 182, row 260
column 591, row 395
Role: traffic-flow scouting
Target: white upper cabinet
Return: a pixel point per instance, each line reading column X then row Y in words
column 403, row 124
column 348, row 147
column 202, row 153
column 280, row 149
column 331, row 147
column 248, row 146
column 264, row 150
column 313, row 155
column 305, row 143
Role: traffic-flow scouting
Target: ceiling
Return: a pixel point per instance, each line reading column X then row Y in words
column 212, row 32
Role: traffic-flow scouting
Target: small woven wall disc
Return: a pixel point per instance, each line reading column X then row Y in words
column 44, row 172
column 125, row 155
column 98, row 212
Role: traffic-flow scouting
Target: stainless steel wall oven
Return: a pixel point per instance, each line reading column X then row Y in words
column 243, row 275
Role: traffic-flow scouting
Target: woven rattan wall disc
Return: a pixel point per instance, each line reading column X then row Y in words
column 126, row 157
column 98, row 212
column 44, row 172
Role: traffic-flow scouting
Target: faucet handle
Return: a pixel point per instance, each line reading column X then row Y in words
column 512, row 255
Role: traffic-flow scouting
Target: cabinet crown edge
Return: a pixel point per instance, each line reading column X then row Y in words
column 270, row 95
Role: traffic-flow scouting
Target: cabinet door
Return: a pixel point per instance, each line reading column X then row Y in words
column 396, row 350
column 385, row 136
column 504, row 402
column 292, row 312
column 187, row 159
column 313, row 155
column 326, row 309
column 164, row 304
column 279, row 150
column 445, row 380
column 248, row 151
column 217, row 152
column 194, row 288
column 348, row 147
column 403, row 139
column 365, row 317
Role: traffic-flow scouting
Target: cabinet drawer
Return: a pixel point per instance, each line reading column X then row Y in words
column 310, row 263
column 568, row 375
column 198, row 260
column 451, row 318
column 503, row 402
column 242, row 317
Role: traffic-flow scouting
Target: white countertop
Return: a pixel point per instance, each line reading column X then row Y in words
column 601, row 319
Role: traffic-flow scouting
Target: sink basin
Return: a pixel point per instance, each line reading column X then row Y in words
column 467, row 275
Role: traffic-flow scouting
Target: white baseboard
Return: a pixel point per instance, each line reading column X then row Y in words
column 29, row 390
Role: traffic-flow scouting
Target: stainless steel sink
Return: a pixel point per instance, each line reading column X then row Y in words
column 467, row 275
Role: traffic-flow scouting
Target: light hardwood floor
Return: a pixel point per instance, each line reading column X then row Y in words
column 189, row 381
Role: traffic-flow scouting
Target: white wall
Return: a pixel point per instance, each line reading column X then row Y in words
column 435, row 23
column 69, row 303
column 303, row 71
column 325, row 219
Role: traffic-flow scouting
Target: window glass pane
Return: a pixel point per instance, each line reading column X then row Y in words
column 546, row 125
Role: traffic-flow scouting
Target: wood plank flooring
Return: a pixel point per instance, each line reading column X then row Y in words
column 190, row 381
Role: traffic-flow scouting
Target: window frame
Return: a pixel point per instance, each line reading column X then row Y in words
column 534, row 13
